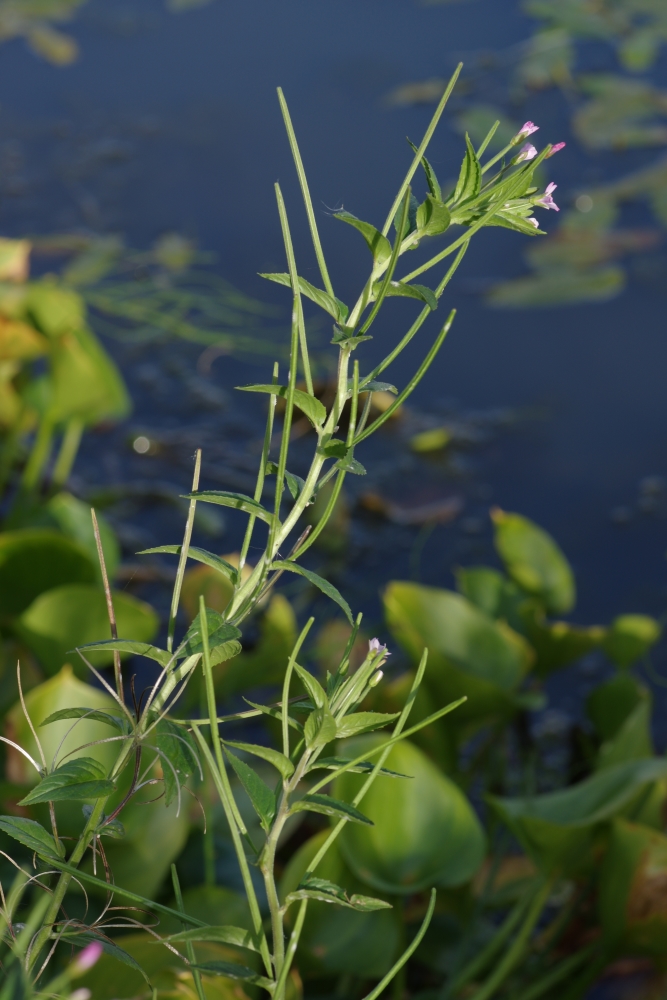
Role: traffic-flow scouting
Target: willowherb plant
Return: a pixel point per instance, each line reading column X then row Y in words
column 498, row 192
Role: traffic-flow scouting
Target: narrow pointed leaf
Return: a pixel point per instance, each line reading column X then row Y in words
column 363, row 767
column 233, row 971
column 349, row 464
column 374, row 386
column 327, row 806
column 310, row 405
column 161, row 656
column 95, row 715
column 274, row 757
column 295, row 484
column 363, row 722
column 317, row 581
column 227, row 934
column 239, row 501
column 83, row 778
column 262, row 798
column 199, row 555
column 420, row 292
column 312, row 686
column 329, row 303
column 111, row 948
column 378, row 244
column 32, row 835
column 431, row 179
column 470, row 176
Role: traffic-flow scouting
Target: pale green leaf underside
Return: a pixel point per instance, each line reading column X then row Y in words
column 239, row 501
column 310, row 405
column 199, row 555
column 327, row 806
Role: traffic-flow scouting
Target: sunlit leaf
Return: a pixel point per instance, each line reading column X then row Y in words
column 321, row 298
column 363, row 722
column 470, row 176
column 320, row 728
column 86, row 713
column 236, row 500
column 378, row 244
column 630, row 637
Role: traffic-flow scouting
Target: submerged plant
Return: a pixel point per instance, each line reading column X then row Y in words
column 499, row 191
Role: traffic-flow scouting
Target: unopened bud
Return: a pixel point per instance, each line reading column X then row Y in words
column 81, row 994
column 375, row 679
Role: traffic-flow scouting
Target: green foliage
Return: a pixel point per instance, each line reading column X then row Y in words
column 425, row 833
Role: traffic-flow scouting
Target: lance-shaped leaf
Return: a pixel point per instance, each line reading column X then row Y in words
column 420, row 292
column 310, row 405
column 373, row 386
column 233, row 971
column 508, row 220
column 32, row 835
column 327, row 806
column 378, row 244
column 320, row 728
column 83, row 778
column 239, row 501
column 328, row 892
column 363, row 767
column 470, row 175
column 433, row 217
column 431, row 179
column 349, row 464
column 262, row 798
column 317, row 581
column 161, row 656
column 329, row 303
column 199, row 555
column 177, row 745
column 274, row 757
column 313, row 687
column 94, row 714
column 363, row 722
column 225, row 934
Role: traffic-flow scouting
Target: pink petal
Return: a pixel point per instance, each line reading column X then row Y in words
column 87, row 958
column 551, row 187
column 528, row 128
column 533, row 221
column 527, row 152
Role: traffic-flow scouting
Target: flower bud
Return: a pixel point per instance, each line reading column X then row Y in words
column 81, row 994
column 375, row 679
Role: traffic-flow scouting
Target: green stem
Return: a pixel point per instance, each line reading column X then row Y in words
column 266, row 447
column 190, row 948
column 412, row 384
column 39, row 455
column 183, row 558
column 68, row 452
column 562, row 970
column 319, row 253
column 221, row 780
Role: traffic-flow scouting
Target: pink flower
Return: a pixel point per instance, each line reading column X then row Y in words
column 555, row 149
column 527, row 152
column 87, row 958
column 546, row 201
column 533, row 221
column 375, row 646
column 526, row 129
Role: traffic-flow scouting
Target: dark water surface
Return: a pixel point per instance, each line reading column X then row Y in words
column 170, row 122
